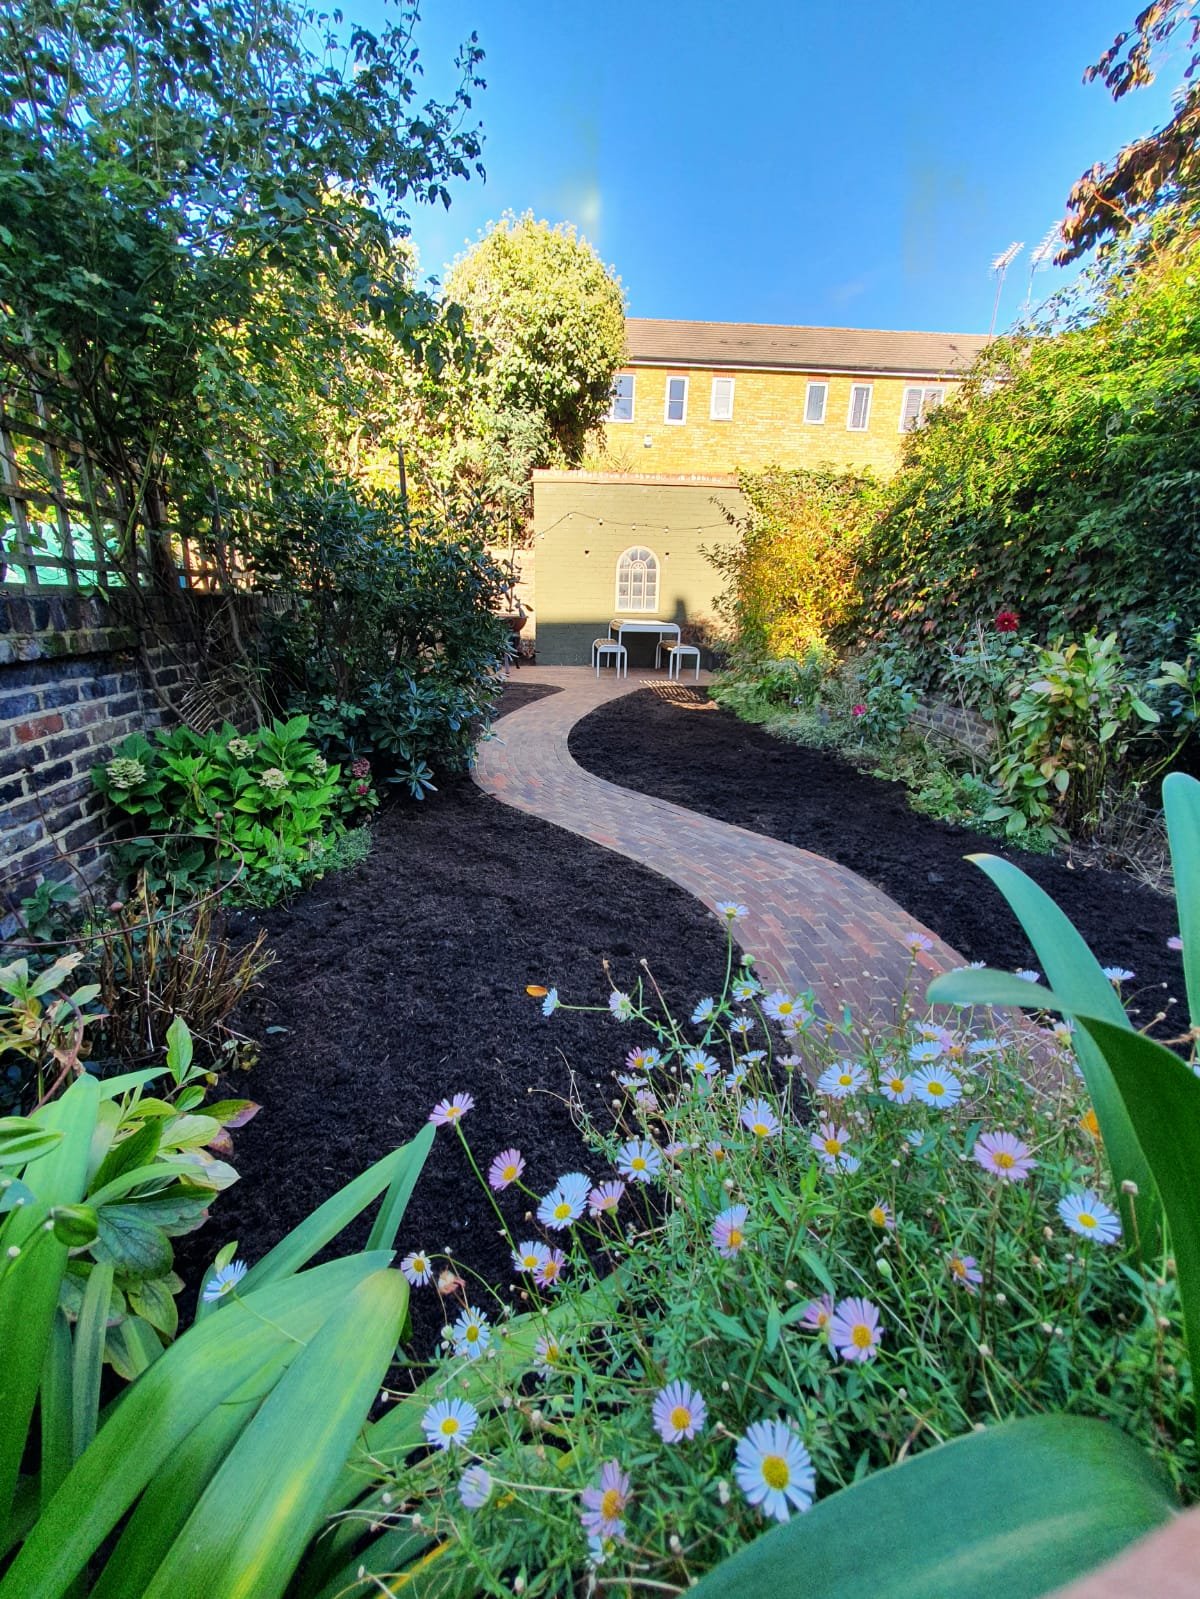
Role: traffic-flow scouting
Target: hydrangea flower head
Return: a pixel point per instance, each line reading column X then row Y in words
column 604, row 1506
column 125, row 772
column 1086, row 1213
column 274, row 779
column 1004, row 1156
column 449, row 1423
column 448, row 1111
column 678, row 1412
column 506, row 1168
column 854, row 1329
column 774, row 1470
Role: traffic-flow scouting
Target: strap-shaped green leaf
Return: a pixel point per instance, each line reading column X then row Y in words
column 212, row 1362
column 1014, row 1511
column 1080, row 988
column 1181, row 805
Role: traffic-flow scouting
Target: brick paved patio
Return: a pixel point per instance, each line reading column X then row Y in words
column 812, row 924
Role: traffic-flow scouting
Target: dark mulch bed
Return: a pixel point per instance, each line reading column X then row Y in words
column 711, row 762
column 403, row 981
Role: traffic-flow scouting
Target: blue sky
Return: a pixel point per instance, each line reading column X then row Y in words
column 844, row 164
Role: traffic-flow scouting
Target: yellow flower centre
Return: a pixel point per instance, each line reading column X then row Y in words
column 562, row 1211
column 860, row 1335
column 935, row 1088
column 551, row 1354
column 833, row 1146
column 611, row 1504
column 845, row 1080
column 736, row 1238
column 550, row 1270
column 509, row 1173
column 1086, row 1219
column 472, row 1333
column 760, row 1129
column 897, row 1085
column 1003, row 1159
column 638, row 1163
column 449, row 1426
column 879, row 1215
column 453, row 1112
column 775, row 1471
column 530, row 1262
column 681, row 1418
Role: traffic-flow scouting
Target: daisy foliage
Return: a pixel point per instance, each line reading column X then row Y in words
column 782, row 1269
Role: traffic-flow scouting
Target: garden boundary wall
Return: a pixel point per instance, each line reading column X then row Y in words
column 956, row 724
column 77, row 675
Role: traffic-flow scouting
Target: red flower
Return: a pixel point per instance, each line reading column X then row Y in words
column 361, row 767
column 858, row 710
column 1007, row 621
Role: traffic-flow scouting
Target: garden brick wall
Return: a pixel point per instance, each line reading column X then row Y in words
column 954, row 723
column 78, row 675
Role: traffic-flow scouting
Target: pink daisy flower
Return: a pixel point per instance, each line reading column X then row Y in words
column 506, row 1168
column 729, row 1231
column 604, row 1506
column 550, row 1269
column 818, row 1313
column 854, row 1329
column 448, row 1111
column 607, row 1196
column 679, row 1412
column 964, row 1271
column 1004, row 1156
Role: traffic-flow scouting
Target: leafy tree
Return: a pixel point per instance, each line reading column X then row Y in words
column 551, row 319
column 1113, row 197
column 200, row 210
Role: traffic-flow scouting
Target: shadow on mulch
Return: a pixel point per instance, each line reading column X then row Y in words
column 726, row 768
column 403, row 981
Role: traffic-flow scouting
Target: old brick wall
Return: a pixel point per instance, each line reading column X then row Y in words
column 78, row 675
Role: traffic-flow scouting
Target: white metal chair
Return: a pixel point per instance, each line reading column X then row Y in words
column 603, row 648
column 675, row 655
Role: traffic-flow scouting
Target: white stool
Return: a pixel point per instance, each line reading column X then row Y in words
column 602, row 648
column 675, row 655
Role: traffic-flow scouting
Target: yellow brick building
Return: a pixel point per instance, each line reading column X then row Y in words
column 718, row 397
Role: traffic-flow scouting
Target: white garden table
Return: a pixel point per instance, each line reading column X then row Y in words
column 621, row 625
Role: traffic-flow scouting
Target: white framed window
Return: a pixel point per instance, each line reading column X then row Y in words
column 858, row 417
column 675, row 401
column 919, row 405
column 815, row 402
column 721, row 408
column 621, row 408
column 637, row 580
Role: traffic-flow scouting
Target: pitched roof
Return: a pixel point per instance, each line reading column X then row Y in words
column 652, row 341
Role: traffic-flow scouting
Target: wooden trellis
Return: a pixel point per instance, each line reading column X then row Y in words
column 63, row 525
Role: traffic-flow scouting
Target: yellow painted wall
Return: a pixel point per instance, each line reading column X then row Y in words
column 583, row 521
column 768, row 426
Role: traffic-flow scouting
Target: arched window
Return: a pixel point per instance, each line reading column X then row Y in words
column 637, row 581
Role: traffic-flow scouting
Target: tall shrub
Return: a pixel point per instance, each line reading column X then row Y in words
column 791, row 580
column 1066, row 484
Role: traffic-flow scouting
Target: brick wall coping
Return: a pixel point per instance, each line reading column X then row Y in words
column 669, row 479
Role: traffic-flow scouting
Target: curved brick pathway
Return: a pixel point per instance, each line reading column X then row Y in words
column 812, row 924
